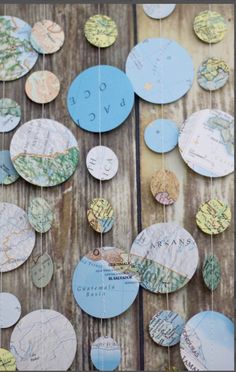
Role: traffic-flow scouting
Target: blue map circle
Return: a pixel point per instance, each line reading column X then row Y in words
column 161, row 135
column 105, row 354
column 100, row 98
column 160, row 70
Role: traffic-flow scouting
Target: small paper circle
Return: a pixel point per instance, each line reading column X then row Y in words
column 102, row 163
column 10, row 114
column 8, row 174
column 211, row 272
column 100, row 31
column 47, row 37
column 165, row 328
column 161, row 135
column 40, row 215
column 213, row 73
column 213, row 217
column 105, row 354
column 100, row 215
column 7, row 360
column 209, row 26
column 165, row 187
column 42, row 270
column 42, row 86
column 10, row 310
column 158, row 11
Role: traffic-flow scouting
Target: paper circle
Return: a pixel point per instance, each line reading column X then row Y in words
column 165, row 187
column 104, row 283
column 44, row 152
column 206, row 143
column 94, row 102
column 207, row 342
column 10, row 310
column 209, row 26
column 10, row 114
column 8, row 174
column 42, row 271
column 161, row 135
column 158, row 11
column 211, row 272
column 17, row 237
column 44, row 340
column 165, row 328
column 100, row 31
column 40, row 215
column 42, row 86
column 100, row 215
column 7, row 361
column 213, row 217
column 102, row 163
column 47, row 37
column 17, row 56
column 105, row 354
column 160, row 70
column 213, row 73
column 165, row 256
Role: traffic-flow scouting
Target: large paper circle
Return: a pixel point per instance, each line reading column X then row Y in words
column 160, row 70
column 44, row 152
column 105, row 354
column 10, row 310
column 165, row 256
column 104, row 283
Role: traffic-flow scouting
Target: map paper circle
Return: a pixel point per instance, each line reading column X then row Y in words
column 44, row 340
column 8, row 174
column 165, row 256
column 100, row 215
column 165, row 187
column 161, row 135
column 160, row 70
column 94, row 102
column 44, row 152
column 165, row 328
column 102, row 163
column 105, row 354
column 211, row 272
column 17, row 237
column 209, row 26
column 17, row 57
column 100, row 31
column 207, row 342
column 40, row 215
column 47, row 37
column 10, row 114
column 42, row 271
column 213, row 217
column 104, row 283
column 206, row 143
column 7, row 361
column 42, row 86
column 213, row 73
column 10, row 310
column 158, row 11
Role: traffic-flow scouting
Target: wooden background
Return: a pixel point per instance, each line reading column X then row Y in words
column 135, row 208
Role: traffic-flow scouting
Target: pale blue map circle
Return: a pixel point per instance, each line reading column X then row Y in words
column 160, row 70
column 207, row 342
column 105, row 354
column 158, row 11
column 10, row 309
column 161, row 135
column 100, row 98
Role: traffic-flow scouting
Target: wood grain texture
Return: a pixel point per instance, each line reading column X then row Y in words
column 71, row 237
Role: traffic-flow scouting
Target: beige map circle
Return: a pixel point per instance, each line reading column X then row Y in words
column 42, row 86
column 47, row 37
column 165, row 187
column 7, row 360
column 100, row 31
column 209, row 26
column 100, row 215
column 213, row 217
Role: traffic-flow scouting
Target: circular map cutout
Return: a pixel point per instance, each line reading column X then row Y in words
column 210, row 26
column 42, row 86
column 160, row 70
column 17, row 57
column 17, row 237
column 8, row 174
column 47, row 37
column 40, row 215
column 10, row 114
column 213, row 74
column 100, row 215
column 211, row 272
column 104, row 283
column 165, row 256
column 102, row 163
column 42, row 271
column 165, row 187
column 10, row 310
column 161, row 135
column 213, row 217
column 7, row 361
column 105, row 354
column 44, row 152
column 158, row 11
column 207, row 342
column 100, row 31
column 206, row 143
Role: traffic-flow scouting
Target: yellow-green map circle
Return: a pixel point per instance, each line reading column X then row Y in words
column 100, row 31
column 213, row 217
column 209, row 26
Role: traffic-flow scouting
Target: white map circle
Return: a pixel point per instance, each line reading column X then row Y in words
column 44, row 340
column 10, row 309
column 206, row 143
column 158, row 11
column 17, row 238
column 102, row 163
